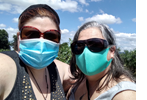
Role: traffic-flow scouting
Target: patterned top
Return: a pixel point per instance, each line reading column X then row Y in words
column 22, row 89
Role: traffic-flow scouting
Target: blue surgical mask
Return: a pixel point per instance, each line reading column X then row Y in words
column 38, row 53
column 91, row 63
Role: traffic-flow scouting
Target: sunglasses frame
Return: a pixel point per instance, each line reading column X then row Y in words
column 39, row 31
column 85, row 42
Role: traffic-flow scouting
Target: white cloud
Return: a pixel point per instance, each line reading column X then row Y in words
column 105, row 19
column 68, row 5
column 126, row 41
column 17, row 6
column 65, row 37
column 64, row 31
column 11, row 31
column 87, row 10
column 2, row 25
column 101, row 11
column 5, row 6
column 81, row 19
column 134, row 19
column 15, row 20
column 96, row 0
column 83, row 2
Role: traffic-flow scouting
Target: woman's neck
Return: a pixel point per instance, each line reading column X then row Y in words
column 99, row 78
column 39, row 75
column 96, row 86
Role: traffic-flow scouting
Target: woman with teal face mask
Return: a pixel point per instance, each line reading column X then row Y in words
column 32, row 72
column 97, row 68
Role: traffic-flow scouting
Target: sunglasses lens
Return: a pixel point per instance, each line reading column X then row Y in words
column 96, row 45
column 29, row 33
column 52, row 35
column 77, row 47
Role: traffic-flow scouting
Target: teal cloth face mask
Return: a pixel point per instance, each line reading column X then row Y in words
column 38, row 53
column 91, row 63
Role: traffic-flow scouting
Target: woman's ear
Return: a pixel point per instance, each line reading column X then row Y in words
column 18, row 34
column 112, row 51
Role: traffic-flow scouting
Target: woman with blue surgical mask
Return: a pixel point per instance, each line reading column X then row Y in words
column 97, row 68
column 33, row 73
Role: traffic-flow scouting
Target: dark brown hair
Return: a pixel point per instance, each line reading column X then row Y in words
column 38, row 10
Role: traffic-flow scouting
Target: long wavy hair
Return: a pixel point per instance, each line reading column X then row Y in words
column 117, row 68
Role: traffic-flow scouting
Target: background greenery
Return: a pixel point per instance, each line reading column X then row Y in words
column 64, row 55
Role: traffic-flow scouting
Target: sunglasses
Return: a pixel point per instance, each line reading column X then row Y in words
column 29, row 32
column 93, row 44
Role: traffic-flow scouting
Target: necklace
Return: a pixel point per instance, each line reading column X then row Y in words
column 87, row 85
column 38, row 84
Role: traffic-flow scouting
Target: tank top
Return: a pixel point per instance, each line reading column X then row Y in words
column 22, row 89
column 109, row 94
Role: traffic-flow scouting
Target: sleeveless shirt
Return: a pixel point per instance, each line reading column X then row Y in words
column 109, row 94
column 22, row 89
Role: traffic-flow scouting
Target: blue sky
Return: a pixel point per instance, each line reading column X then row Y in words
column 119, row 15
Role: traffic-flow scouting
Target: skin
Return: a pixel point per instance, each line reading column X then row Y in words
column 8, row 77
column 94, row 81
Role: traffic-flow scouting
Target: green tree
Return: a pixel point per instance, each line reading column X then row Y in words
column 64, row 54
column 14, row 42
column 129, row 59
column 4, row 43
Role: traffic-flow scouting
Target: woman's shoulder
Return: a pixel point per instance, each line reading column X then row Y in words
column 65, row 74
column 6, row 62
column 119, row 80
column 60, row 63
column 124, row 89
column 63, row 69
column 7, row 72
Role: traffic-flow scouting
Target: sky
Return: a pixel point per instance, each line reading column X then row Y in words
column 119, row 15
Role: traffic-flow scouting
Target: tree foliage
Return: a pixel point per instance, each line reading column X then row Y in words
column 64, row 54
column 4, row 43
column 14, row 42
column 129, row 59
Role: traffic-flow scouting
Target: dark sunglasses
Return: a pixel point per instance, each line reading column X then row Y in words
column 93, row 44
column 29, row 32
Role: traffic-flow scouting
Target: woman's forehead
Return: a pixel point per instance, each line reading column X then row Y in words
column 41, row 23
column 93, row 32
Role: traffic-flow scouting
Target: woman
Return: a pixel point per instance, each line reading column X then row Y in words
column 97, row 67
column 32, row 72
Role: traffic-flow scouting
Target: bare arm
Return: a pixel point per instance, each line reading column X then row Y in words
column 7, row 75
column 126, row 95
column 65, row 74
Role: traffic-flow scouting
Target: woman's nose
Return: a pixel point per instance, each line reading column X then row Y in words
column 41, row 36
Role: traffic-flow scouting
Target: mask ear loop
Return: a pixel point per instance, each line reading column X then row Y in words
column 112, row 50
column 18, row 36
column 18, row 39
